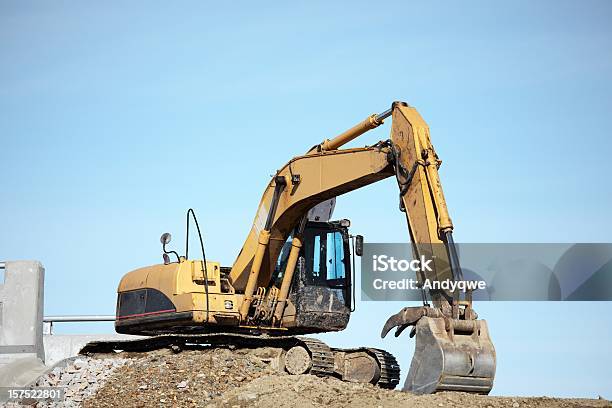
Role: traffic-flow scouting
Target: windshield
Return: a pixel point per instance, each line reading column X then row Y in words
column 324, row 254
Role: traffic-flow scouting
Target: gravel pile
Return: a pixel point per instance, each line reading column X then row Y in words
column 190, row 378
column 80, row 379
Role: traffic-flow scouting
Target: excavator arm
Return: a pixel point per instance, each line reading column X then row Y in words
column 453, row 350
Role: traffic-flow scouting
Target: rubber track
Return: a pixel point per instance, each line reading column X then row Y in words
column 322, row 356
column 389, row 368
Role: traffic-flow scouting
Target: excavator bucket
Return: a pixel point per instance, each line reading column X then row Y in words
column 451, row 360
column 450, row 355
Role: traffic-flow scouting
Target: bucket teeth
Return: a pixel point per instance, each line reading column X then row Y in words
column 408, row 316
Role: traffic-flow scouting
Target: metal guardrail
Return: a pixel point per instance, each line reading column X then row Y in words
column 49, row 320
column 79, row 318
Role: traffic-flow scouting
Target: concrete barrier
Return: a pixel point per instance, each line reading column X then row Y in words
column 22, row 351
column 21, row 311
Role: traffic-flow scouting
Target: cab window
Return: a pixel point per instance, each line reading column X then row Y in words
column 324, row 256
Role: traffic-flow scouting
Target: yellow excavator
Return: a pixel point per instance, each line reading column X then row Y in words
column 294, row 275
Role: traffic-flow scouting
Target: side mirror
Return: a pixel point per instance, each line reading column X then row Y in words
column 165, row 238
column 359, row 245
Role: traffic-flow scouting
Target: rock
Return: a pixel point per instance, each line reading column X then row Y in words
column 65, row 379
column 248, row 396
column 70, row 368
column 182, row 384
column 79, row 363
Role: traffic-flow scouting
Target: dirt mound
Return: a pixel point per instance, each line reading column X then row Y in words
column 241, row 378
column 309, row 391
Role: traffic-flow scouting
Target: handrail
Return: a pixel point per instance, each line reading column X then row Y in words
column 79, row 318
column 49, row 320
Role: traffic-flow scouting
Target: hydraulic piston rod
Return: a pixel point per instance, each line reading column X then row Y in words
column 262, row 246
column 296, row 246
column 369, row 123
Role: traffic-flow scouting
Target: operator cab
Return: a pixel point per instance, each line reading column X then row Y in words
column 322, row 290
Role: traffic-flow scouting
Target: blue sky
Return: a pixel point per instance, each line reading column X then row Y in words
column 117, row 117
